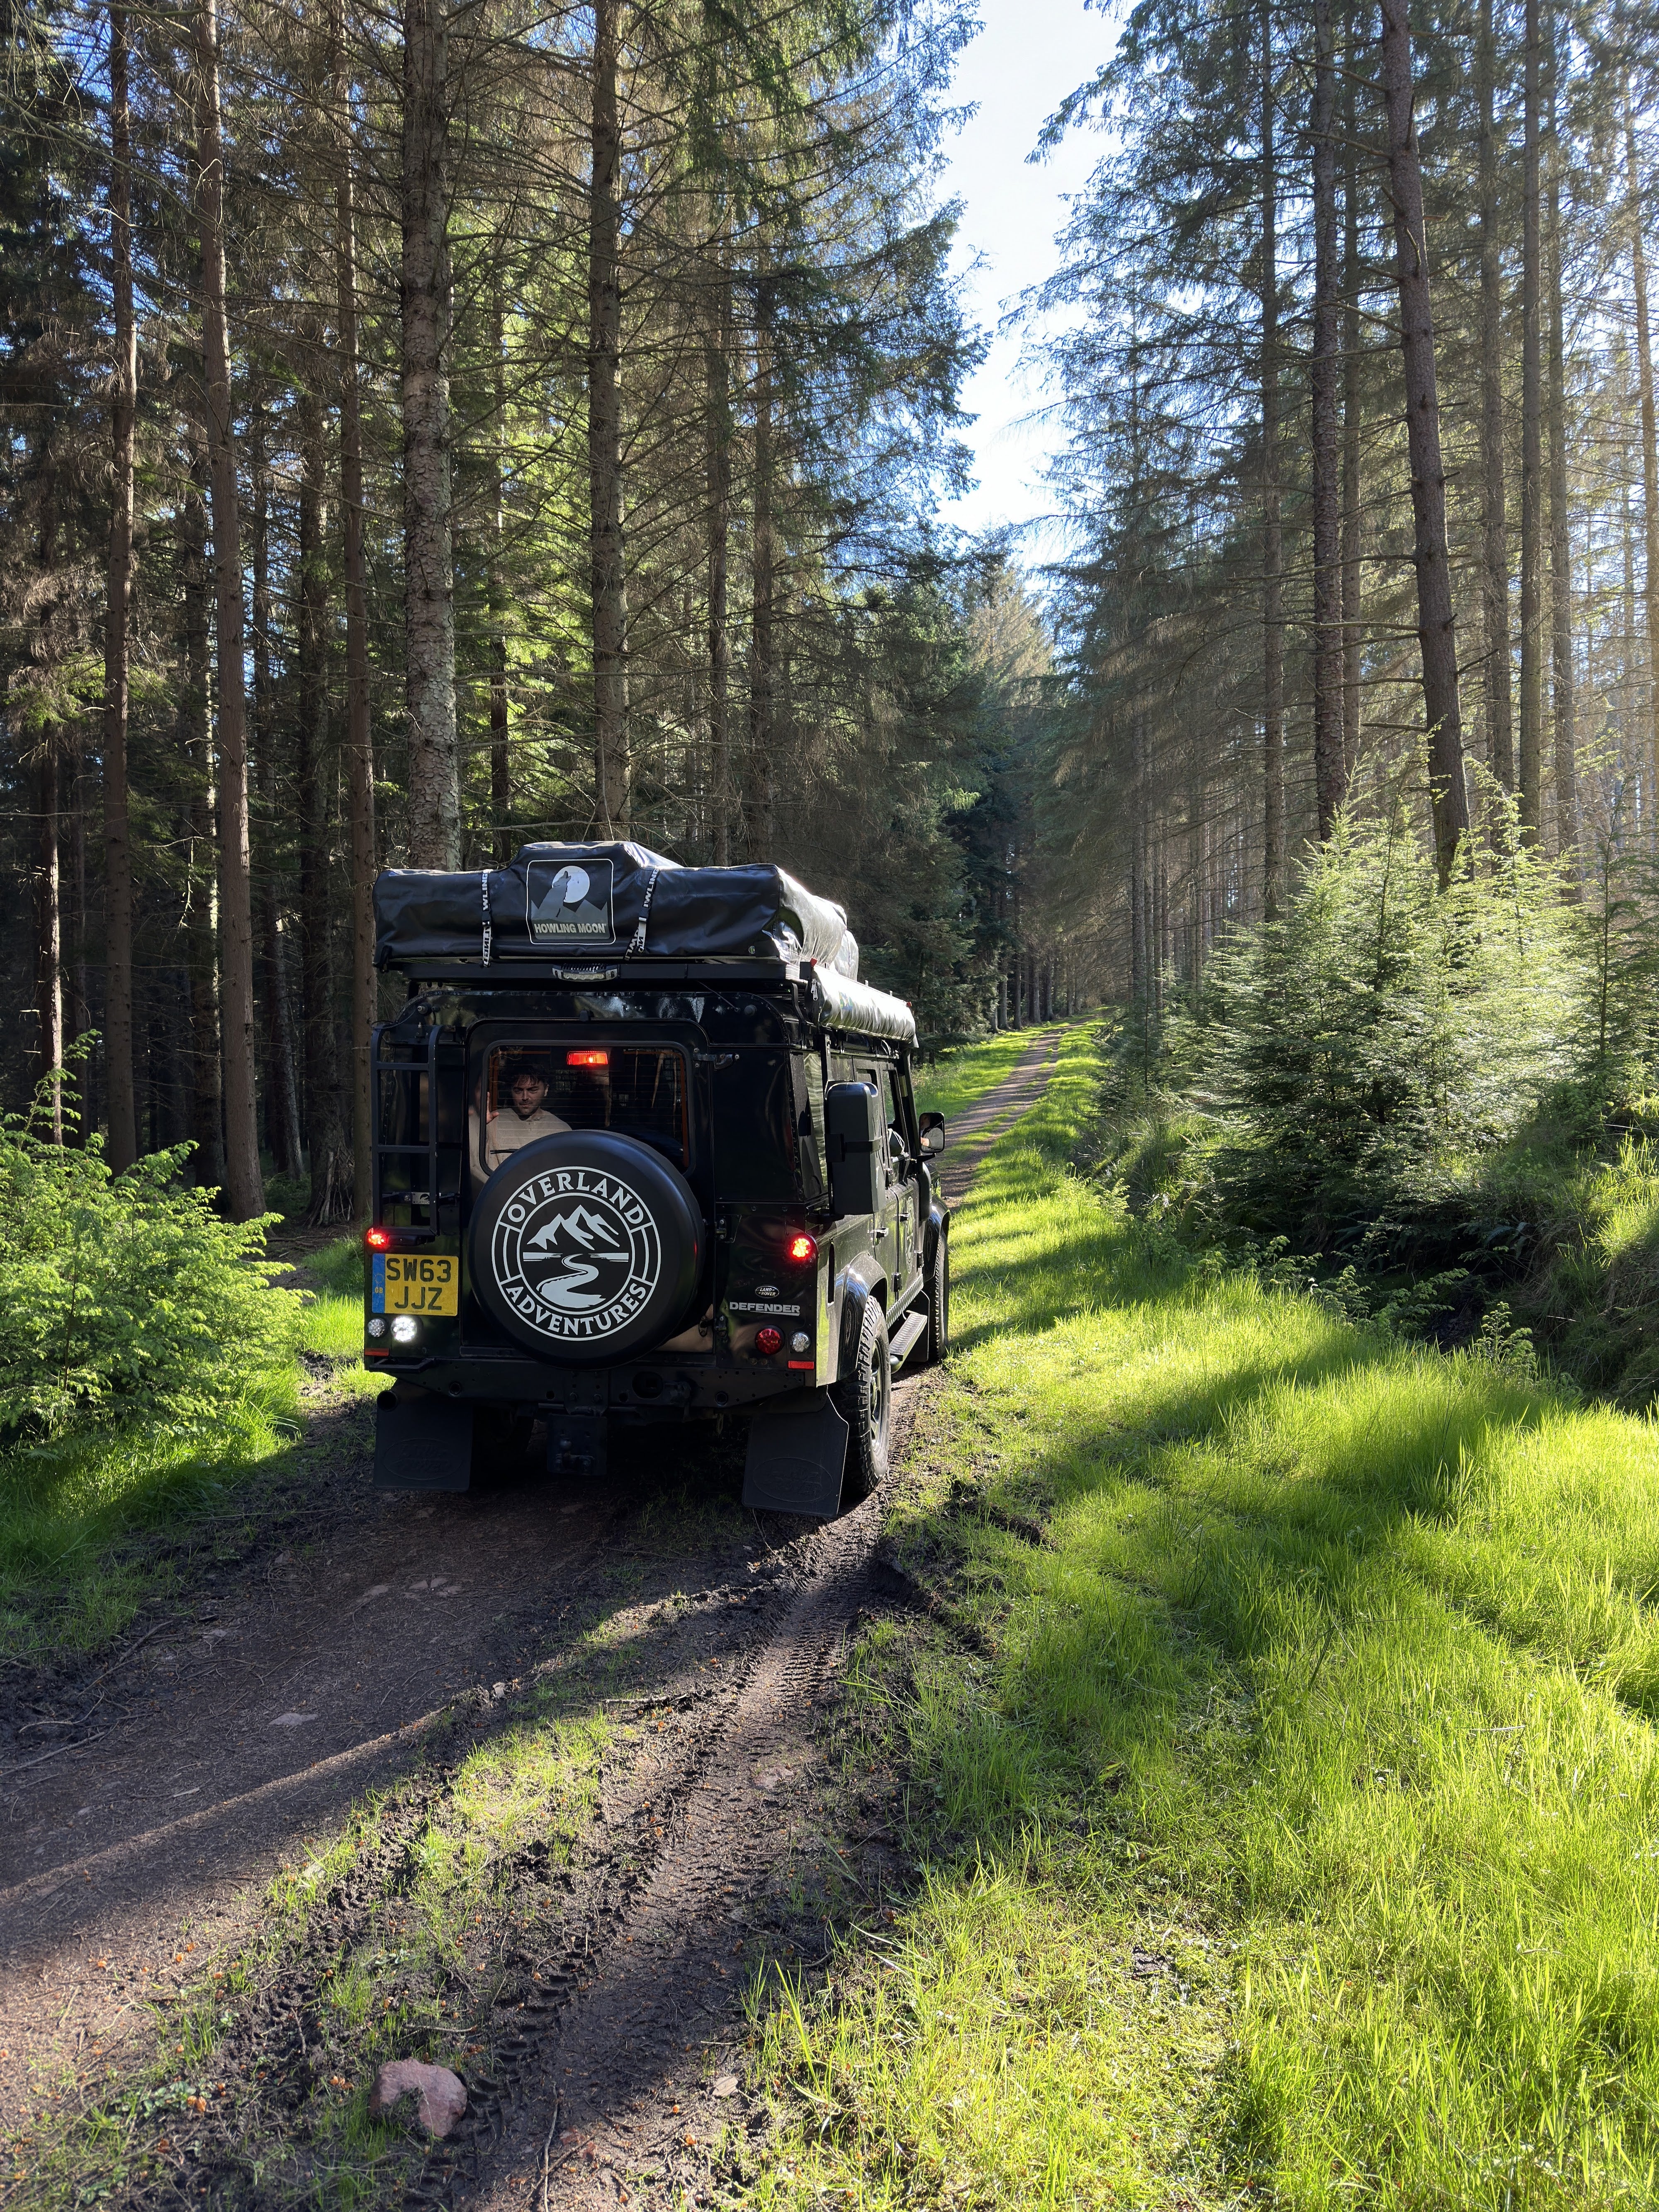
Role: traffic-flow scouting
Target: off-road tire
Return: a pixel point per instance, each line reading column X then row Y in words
column 631, row 1263
column 866, row 1398
column 939, row 1301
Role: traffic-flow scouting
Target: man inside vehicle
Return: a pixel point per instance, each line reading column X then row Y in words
column 525, row 1119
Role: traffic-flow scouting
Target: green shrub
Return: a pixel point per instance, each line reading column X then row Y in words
column 124, row 1297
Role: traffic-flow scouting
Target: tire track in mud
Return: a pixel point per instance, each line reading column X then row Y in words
column 702, row 1863
column 615, row 2093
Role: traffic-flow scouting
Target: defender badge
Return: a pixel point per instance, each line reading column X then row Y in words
column 576, row 1254
column 570, row 902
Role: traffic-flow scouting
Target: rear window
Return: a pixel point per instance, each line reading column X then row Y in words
column 528, row 1091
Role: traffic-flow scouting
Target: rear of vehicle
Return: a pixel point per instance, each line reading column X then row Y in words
column 619, row 1189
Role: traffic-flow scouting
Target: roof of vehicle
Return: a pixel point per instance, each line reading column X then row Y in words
column 620, row 903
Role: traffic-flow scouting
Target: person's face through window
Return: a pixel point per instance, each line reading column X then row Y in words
column 528, row 1094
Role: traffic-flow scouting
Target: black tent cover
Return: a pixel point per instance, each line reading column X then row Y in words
column 619, row 901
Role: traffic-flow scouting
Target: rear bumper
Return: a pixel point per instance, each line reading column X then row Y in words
column 661, row 1387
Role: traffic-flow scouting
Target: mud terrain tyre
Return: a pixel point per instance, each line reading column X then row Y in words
column 866, row 1398
column 586, row 1247
column 939, row 1301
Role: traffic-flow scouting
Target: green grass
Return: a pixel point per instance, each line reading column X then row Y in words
column 1335, row 1673
column 957, row 1078
column 93, row 1528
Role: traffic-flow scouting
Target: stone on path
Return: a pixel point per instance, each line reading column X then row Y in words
column 442, row 2099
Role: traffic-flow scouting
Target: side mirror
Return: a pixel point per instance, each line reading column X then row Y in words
column 932, row 1136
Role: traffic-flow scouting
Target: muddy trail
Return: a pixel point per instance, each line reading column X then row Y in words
column 365, row 1648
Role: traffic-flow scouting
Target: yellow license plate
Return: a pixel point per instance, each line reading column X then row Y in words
column 418, row 1283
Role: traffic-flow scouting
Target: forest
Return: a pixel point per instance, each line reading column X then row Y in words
column 425, row 435
column 1210, row 1762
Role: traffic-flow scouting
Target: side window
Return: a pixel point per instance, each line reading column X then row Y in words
column 809, row 1122
column 755, row 1128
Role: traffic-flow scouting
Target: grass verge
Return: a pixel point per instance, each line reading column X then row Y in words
column 1281, row 1750
column 93, row 1527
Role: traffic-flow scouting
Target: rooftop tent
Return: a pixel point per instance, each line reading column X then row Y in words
column 554, row 901
column 620, row 901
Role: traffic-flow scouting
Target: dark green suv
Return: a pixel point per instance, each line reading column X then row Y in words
column 646, row 1151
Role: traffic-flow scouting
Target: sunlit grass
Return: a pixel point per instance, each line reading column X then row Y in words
column 1340, row 1651
column 76, row 1518
column 92, row 1528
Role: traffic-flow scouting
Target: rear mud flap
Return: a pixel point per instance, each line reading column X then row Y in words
column 424, row 1443
column 797, row 1456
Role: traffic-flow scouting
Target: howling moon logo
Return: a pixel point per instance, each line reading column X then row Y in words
column 577, row 1254
column 571, row 901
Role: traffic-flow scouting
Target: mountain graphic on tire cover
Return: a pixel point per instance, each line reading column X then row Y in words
column 581, row 1252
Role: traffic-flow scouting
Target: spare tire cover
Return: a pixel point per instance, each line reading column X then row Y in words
column 586, row 1247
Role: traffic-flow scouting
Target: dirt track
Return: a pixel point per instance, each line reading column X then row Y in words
column 223, row 1740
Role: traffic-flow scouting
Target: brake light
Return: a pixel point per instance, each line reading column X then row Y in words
column 587, row 1060
column 377, row 1239
column 769, row 1341
column 803, row 1249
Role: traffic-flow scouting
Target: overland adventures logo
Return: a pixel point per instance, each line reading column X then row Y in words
column 570, row 903
column 576, row 1254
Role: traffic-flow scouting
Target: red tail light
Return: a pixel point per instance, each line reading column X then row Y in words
column 803, row 1249
column 377, row 1239
column 767, row 1341
column 587, row 1060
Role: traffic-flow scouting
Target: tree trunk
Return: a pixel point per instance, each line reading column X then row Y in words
column 1495, row 552
column 282, row 1105
column 1137, row 856
column 329, row 1158
column 1532, row 471
column 1329, row 781
column 435, row 790
column 48, row 883
column 1272, row 633
column 359, row 753
column 1650, row 440
column 117, row 828
column 243, row 1190
column 501, row 764
column 717, row 344
column 1436, row 630
column 611, row 768
column 205, row 1119
column 1564, row 710
column 49, row 926
column 762, row 675
column 1353, row 479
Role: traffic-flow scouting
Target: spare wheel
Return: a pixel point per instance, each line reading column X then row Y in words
column 586, row 1247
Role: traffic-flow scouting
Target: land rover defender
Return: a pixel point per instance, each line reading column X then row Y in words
column 645, row 1151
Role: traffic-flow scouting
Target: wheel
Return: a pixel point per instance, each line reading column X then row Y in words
column 939, row 1301
column 865, row 1397
column 586, row 1246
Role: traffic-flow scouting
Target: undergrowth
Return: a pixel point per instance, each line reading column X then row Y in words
column 105, row 1517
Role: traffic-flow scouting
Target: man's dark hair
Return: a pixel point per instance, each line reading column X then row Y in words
column 535, row 1069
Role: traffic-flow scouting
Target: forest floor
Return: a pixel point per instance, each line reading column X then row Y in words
column 529, row 1780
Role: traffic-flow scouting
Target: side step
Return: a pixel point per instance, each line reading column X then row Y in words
column 910, row 1330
